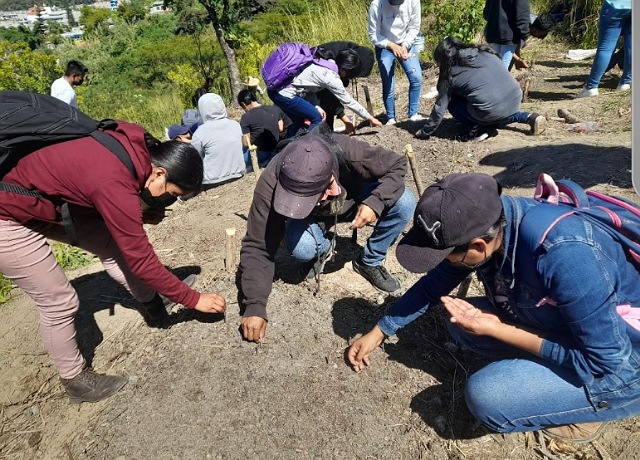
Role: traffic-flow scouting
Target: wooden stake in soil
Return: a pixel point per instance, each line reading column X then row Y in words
column 525, row 90
column 408, row 150
column 368, row 99
column 230, row 249
column 568, row 116
column 253, row 153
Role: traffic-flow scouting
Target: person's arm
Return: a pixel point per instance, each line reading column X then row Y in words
column 374, row 26
column 437, row 112
column 522, row 20
column 413, row 28
column 412, row 305
column 265, row 231
column 375, row 164
column 332, row 82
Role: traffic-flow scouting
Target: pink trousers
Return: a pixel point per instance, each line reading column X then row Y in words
column 27, row 260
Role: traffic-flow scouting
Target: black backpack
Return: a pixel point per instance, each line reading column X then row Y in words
column 30, row 121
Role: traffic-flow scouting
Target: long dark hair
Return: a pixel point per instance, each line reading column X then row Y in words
column 182, row 162
column 447, row 55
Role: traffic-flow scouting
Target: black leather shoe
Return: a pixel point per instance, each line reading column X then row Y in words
column 377, row 275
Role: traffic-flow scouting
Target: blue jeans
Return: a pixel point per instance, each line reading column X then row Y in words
column 386, row 64
column 297, row 109
column 612, row 24
column 526, row 394
column 306, row 239
column 505, row 52
column 458, row 109
column 264, row 156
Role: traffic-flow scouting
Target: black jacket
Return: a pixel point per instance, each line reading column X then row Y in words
column 507, row 21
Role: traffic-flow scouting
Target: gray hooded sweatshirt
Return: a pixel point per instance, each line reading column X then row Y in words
column 219, row 141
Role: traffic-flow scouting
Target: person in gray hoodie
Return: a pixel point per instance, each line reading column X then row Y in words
column 477, row 90
column 219, row 141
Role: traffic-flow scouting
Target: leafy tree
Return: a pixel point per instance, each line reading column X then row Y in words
column 26, row 70
column 132, row 11
column 21, row 34
column 93, row 18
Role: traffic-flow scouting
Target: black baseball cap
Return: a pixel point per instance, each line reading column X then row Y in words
column 396, row 2
column 305, row 170
column 450, row 213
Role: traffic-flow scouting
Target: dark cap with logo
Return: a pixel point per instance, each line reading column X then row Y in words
column 396, row 2
column 305, row 170
column 450, row 213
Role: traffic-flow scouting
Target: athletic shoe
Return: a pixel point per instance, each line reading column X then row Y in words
column 416, row 117
column 588, row 93
column 377, row 275
column 578, row 433
column 476, row 134
column 390, row 122
column 623, row 87
column 537, row 123
column 89, row 386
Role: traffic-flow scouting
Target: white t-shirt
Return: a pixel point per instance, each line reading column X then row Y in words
column 62, row 89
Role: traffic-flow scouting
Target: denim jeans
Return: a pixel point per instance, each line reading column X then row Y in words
column 306, row 239
column 505, row 52
column 612, row 24
column 386, row 63
column 264, row 156
column 298, row 110
column 458, row 109
column 526, row 394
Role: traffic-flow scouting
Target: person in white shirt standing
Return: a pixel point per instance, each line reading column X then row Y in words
column 62, row 88
column 394, row 29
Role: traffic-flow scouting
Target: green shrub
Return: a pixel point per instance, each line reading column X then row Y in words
column 455, row 18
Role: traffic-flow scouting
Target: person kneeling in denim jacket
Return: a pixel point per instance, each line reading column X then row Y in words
column 565, row 365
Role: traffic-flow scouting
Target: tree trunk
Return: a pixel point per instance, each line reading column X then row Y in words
column 229, row 53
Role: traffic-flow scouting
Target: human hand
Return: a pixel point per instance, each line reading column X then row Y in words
column 211, row 303
column 254, row 328
column 469, row 318
column 349, row 128
column 323, row 114
column 398, row 51
column 364, row 216
column 521, row 64
column 359, row 350
column 375, row 123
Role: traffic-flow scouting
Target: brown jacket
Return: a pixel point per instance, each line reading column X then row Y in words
column 362, row 164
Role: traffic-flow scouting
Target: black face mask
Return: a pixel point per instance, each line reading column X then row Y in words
column 157, row 202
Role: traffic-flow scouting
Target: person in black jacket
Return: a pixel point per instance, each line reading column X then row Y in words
column 507, row 26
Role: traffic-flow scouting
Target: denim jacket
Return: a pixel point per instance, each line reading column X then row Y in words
column 582, row 276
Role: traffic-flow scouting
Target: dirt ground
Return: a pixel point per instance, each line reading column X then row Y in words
column 197, row 391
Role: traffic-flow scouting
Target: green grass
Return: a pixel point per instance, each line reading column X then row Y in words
column 69, row 258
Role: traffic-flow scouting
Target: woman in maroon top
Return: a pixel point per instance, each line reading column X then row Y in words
column 109, row 207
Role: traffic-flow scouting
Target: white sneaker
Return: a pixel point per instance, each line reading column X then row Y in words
column 416, row 117
column 588, row 93
column 623, row 87
column 390, row 122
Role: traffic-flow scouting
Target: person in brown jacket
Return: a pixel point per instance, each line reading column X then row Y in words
column 314, row 182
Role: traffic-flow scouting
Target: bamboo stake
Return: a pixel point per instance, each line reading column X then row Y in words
column 230, row 249
column 408, row 150
column 368, row 99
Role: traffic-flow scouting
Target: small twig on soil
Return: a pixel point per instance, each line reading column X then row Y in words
column 69, row 454
column 604, row 455
column 109, row 338
column 543, row 450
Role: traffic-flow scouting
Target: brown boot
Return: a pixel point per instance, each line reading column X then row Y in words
column 89, row 386
column 578, row 433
